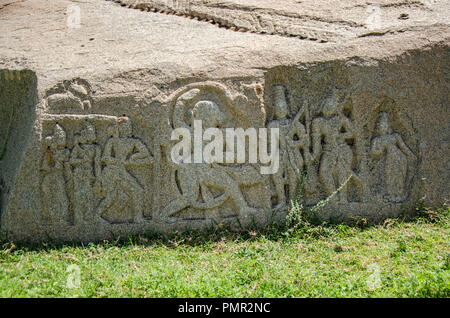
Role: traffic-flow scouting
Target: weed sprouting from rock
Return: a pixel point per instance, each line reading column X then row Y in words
column 300, row 214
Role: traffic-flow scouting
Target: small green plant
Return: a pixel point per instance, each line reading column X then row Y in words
column 428, row 214
column 300, row 215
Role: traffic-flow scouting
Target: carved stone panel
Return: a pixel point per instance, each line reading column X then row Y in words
column 103, row 173
column 94, row 170
column 205, row 192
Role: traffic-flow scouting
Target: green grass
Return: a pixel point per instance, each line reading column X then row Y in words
column 396, row 259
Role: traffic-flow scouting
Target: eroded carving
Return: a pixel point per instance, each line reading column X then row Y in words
column 206, row 186
column 85, row 162
column 83, row 184
column 96, row 171
column 69, row 97
column 397, row 155
column 320, row 143
column 293, row 138
column 332, row 137
column 53, row 186
column 120, row 188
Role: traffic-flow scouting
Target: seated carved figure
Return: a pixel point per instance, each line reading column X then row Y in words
column 72, row 96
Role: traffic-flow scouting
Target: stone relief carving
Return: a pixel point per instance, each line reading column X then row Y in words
column 87, row 183
column 327, row 144
column 206, row 186
column 85, row 164
column 324, row 147
column 397, row 156
column 293, row 139
column 120, row 188
column 95, row 170
column 53, row 187
column 332, row 136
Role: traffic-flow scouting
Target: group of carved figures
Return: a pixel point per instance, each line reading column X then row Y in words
column 95, row 179
column 200, row 179
column 328, row 141
column 86, row 172
column 329, row 136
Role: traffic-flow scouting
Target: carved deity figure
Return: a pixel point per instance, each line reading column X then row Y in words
column 85, row 160
column 396, row 153
column 54, row 166
column 123, row 151
column 293, row 137
column 330, row 134
column 195, row 179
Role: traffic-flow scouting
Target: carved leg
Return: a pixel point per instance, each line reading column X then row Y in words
column 131, row 187
column 344, row 171
column 190, row 188
column 220, row 179
column 106, row 203
column 278, row 181
column 396, row 173
column 293, row 184
column 176, row 206
column 342, row 177
column 326, row 174
column 138, row 198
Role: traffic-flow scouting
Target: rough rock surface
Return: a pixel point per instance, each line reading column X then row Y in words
column 87, row 107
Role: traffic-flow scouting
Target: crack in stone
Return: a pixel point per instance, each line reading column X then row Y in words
column 3, row 6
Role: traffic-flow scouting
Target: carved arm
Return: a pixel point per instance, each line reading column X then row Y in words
column 378, row 146
column 348, row 127
column 142, row 157
column 403, row 147
column 107, row 155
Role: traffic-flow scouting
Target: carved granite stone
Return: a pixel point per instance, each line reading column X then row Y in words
column 89, row 111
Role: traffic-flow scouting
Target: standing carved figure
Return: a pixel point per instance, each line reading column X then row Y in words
column 85, row 160
column 397, row 154
column 330, row 134
column 123, row 151
column 293, row 137
column 54, row 165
